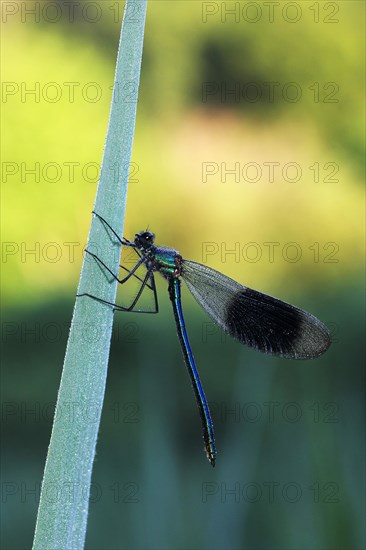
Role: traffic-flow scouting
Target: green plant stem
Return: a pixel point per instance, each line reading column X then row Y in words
column 63, row 508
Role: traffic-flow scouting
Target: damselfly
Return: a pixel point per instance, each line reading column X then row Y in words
column 255, row 319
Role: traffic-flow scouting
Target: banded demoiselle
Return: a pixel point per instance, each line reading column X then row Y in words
column 255, row 319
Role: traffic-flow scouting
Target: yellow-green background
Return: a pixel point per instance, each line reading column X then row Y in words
column 159, row 452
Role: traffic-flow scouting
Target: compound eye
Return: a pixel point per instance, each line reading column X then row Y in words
column 149, row 237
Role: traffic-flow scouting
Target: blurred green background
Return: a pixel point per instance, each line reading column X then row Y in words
column 290, row 435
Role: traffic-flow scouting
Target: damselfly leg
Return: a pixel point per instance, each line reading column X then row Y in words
column 147, row 282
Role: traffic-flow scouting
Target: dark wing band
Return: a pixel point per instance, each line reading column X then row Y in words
column 255, row 319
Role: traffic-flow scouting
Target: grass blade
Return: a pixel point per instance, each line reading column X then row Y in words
column 63, row 507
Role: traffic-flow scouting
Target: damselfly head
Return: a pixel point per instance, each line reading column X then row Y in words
column 144, row 239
